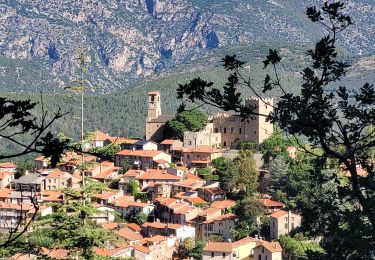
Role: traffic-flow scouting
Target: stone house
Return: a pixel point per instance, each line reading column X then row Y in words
column 144, row 145
column 5, row 179
column 201, row 156
column 8, row 167
column 270, row 206
column 210, row 222
column 125, row 208
column 282, row 222
column 142, row 159
column 218, row 250
column 170, row 145
column 268, row 251
column 57, row 179
column 30, row 182
column 181, row 232
column 171, row 210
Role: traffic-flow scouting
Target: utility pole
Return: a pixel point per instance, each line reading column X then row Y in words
column 79, row 86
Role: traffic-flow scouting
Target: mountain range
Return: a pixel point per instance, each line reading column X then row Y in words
column 129, row 41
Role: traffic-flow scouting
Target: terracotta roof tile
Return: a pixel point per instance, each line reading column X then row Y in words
column 218, row 247
column 279, row 213
column 56, row 253
column 142, row 249
column 125, row 204
column 8, row 165
column 229, row 216
column 270, row 246
column 24, row 207
column 155, row 174
column 196, row 200
column 56, row 173
column 169, row 141
column 133, row 173
column 134, row 226
column 192, row 176
column 155, row 239
column 100, row 136
column 244, row 241
column 270, row 203
column 189, row 183
column 222, row 204
column 5, row 192
column 128, row 234
column 102, row 252
column 140, row 153
column 121, row 140
column 110, row 225
column 104, row 196
column 159, row 225
column 208, row 211
column 52, row 196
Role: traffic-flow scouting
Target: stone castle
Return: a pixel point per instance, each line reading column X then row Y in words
column 223, row 130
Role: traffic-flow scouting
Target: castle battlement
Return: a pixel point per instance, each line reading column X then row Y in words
column 221, row 116
column 253, row 98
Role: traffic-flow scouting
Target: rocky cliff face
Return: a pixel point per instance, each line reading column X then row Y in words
column 128, row 40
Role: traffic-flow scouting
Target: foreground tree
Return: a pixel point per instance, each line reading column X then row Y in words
column 70, row 228
column 342, row 129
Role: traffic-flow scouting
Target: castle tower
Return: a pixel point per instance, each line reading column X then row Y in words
column 259, row 129
column 155, row 121
column 154, row 107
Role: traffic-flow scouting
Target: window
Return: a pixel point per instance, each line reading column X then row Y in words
column 216, row 130
column 286, row 226
column 223, row 255
column 225, row 143
column 201, row 142
column 190, row 142
column 292, row 225
column 232, row 130
column 240, row 130
column 255, row 132
column 212, row 254
column 292, row 219
column 225, row 130
column 273, row 223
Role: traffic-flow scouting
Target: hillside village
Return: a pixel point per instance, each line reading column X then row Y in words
column 158, row 180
